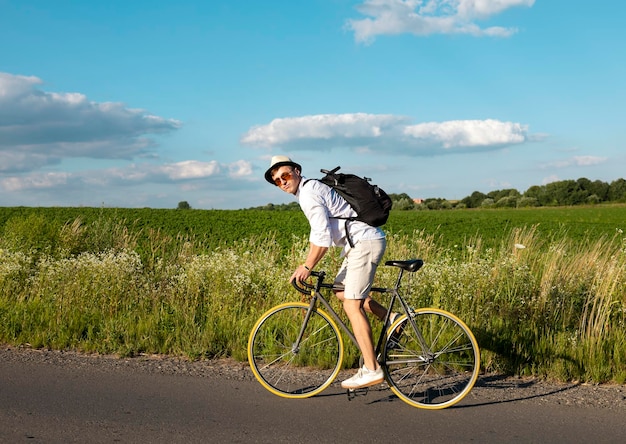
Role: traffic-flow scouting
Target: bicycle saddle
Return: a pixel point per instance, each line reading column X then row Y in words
column 410, row 265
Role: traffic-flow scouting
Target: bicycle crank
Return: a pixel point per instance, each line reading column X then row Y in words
column 353, row 393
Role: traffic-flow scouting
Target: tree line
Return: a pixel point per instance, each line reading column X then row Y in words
column 560, row 193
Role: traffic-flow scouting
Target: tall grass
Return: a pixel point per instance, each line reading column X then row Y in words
column 549, row 307
column 546, row 307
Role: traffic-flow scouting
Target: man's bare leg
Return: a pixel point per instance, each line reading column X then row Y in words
column 362, row 330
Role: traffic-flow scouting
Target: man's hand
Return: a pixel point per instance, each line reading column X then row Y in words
column 301, row 274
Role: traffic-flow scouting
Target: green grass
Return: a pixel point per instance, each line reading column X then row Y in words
column 453, row 227
column 543, row 289
column 154, row 230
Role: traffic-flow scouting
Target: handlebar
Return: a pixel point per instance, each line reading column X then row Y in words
column 411, row 266
column 306, row 288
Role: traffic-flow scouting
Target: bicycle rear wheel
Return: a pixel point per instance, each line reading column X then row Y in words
column 290, row 370
column 440, row 370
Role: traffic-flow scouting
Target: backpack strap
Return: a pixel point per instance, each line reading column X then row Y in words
column 346, row 218
column 347, row 232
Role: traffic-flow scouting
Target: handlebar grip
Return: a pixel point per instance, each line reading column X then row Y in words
column 302, row 289
column 305, row 287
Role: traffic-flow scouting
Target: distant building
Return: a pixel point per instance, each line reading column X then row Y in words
column 418, row 201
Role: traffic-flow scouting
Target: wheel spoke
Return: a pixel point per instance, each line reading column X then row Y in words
column 291, row 369
column 439, row 376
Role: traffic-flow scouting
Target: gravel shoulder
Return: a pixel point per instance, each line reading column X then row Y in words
column 488, row 389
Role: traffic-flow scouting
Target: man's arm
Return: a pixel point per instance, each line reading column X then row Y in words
column 316, row 253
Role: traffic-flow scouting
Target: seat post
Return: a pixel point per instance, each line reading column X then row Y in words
column 400, row 273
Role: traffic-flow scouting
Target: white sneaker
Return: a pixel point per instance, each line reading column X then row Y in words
column 364, row 378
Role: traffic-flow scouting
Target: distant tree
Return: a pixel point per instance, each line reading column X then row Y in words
column 527, row 202
column 560, row 192
column 184, row 205
column 402, row 201
column 403, row 204
column 539, row 193
column 507, row 202
column 600, row 189
column 584, row 183
column 437, row 204
column 500, row 194
column 280, row 207
column 564, row 192
column 400, row 196
column 475, row 200
column 446, row 205
column 593, row 199
column 617, row 191
column 569, row 192
column 487, row 203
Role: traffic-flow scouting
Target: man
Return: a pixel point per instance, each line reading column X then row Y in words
column 320, row 204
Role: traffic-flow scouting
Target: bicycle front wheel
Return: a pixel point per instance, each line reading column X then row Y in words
column 437, row 365
column 289, row 368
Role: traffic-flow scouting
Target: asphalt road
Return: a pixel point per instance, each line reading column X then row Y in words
column 46, row 402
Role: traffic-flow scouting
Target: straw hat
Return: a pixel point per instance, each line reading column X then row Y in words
column 277, row 162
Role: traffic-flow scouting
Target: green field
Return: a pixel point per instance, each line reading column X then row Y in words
column 216, row 228
column 544, row 289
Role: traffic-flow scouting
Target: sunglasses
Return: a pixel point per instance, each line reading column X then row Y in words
column 287, row 175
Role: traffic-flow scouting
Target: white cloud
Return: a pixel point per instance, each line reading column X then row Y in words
column 181, row 173
column 426, row 17
column 13, row 162
column 41, row 127
column 469, row 133
column 240, row 169
column 486, row 8
column 589, row 160
column 385, row 133
column 35, row 181
column 576, row 161
column 498, row 184
column 320, row 127
column 190, row 169
column 550, row 179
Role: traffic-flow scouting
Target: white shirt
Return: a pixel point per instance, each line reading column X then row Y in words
column 320, row 203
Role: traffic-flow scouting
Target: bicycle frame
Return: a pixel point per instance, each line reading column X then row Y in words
column 317, row 296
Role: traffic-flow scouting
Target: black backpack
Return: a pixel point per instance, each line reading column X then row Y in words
column 370, row 202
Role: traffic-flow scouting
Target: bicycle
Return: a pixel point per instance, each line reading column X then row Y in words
column 430, row 358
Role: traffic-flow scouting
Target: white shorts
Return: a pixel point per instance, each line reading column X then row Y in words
column 359, row 267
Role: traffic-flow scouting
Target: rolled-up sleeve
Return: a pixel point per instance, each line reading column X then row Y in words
column 326, row 212
column 317, row 215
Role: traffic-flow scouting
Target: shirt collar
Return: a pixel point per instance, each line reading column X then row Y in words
column 300, row 185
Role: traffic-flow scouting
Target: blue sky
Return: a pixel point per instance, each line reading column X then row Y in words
column 147, row 103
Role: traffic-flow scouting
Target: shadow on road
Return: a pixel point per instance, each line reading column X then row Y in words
column 502, row 389
column 488, row 390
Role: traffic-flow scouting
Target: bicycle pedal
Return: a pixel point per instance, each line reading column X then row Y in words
column 353, row 393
